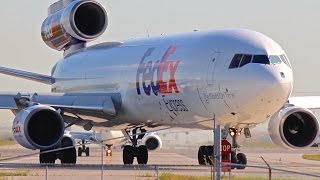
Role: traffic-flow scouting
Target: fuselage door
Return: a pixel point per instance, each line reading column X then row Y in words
column 211, row 67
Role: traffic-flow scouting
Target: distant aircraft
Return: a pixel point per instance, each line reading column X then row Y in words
column 236, row 77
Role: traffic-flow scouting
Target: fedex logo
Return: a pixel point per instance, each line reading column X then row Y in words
column 158, row 77
column 16, row 128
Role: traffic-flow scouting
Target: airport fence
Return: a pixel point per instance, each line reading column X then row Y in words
column 143, row 172
column 25, row 167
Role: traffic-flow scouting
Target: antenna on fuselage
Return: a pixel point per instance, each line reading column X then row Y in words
column 147, row 30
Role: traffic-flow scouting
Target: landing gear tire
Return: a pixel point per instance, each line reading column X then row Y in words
column 79, row 151
column 205, row 155
column 87, row 151
column 234, row 160
column 128, row 155
column 47, row 158
column 242, row 159
column 142, row 155
column 201, row 156
column 68, row 156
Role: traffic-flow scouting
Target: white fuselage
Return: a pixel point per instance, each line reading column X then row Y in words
column 181, row 80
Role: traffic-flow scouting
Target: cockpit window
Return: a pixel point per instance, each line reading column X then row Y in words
column 285, row 60
column 240, row 60
column 275, row 59
column 261, row 59
column 235, row 61
column 245, row 60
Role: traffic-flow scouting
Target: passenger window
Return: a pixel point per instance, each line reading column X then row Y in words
column 235, row 61
column 261, row 59
column 274, row 59
column 245, row 60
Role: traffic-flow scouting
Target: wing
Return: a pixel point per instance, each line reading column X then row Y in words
column 27, row 75
column 81, row 105
column 309, row 102
column 77, row 108
column 89, row 135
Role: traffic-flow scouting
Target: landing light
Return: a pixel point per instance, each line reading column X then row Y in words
column 234, row 132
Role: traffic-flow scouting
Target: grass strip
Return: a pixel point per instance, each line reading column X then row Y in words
column 314, row 157
column 16, row 173
column 171, row 176
column 7, row 142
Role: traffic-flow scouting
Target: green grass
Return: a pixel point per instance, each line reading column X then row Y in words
column 170, row 176
column 314, row 157
column 7, row 142
column 16, row 173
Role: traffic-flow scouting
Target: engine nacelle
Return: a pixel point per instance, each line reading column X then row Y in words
column 75, row 22
column 293, row 127
column 38, row 127
column 152, row 141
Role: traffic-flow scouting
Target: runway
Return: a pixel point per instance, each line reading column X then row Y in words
column 178, row 161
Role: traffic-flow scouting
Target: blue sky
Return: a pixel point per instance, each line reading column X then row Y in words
column 294, row 24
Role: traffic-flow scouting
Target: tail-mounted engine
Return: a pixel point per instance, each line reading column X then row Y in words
column 38, row 127
column 293, row 127
column 72, row 22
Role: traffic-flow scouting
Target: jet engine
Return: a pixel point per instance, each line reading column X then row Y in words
column 152, row 141
column 71, row 22
column 293, row 127
column 38, row 127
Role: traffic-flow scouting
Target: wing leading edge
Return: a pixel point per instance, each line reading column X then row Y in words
column 309, row 102
column 79, row 103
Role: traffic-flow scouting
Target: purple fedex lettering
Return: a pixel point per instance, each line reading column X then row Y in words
column 147, row 71
column 153, row 74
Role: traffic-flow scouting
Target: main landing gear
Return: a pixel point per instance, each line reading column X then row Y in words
column 66, row 156
column 83, row 149
column 205, row 153
column 132, row 151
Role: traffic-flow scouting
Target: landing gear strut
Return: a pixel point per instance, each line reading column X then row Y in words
column 132, row 151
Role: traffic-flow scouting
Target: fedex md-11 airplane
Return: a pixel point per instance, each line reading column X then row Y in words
column 236, row 77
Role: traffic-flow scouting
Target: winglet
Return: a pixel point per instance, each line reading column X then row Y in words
column 27, row 75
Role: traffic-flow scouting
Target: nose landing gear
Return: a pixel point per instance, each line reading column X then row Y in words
column 239, row 158
column 83, row 149
column 205, row 153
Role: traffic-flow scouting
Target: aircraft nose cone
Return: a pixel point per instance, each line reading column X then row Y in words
column 278, row 85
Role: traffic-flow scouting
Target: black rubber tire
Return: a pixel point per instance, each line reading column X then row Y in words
column 79, row 151
column 69, row 156
column 47, row 158
column 242, row 159
column 201, row 156
column 127, row 155
column 87, row 151
column 142, row 155
column 234, row 160
column 209, row 155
